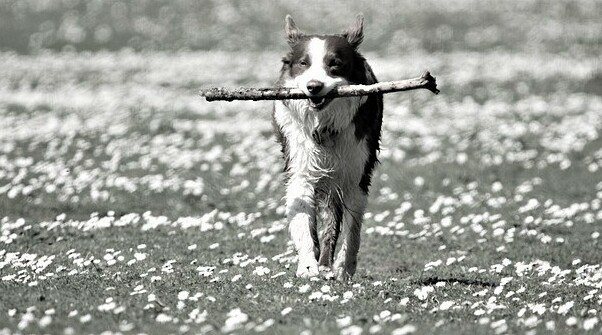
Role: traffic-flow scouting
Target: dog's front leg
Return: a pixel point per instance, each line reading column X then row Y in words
column 301, row 214
column 333, row 215
column 346, row 261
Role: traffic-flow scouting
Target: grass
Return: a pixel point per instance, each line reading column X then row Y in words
column 129, row 205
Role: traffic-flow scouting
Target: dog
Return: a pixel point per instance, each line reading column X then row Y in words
column 329, row 147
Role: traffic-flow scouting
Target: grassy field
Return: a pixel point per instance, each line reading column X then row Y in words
column 129, row 205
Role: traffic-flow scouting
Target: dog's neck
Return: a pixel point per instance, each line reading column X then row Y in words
column 323, row 126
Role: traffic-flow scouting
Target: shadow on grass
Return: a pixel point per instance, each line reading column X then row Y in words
column 463, row 281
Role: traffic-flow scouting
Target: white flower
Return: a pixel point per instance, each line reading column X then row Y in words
column 506, row 280
column 315, row 295
column 352, row 330
column 446, row 305
column 588, row 324
column 537, row 308
column 419, row 181
column 375, row 329
column 109, row 305
column 236, row 318
column 572, row 321
column 563, row 309
column 344, row 321
column 531, row 321
column 163, row 318
column 45, row 321
column 183, row 295
column 496, row 186
column 423, row 292
column 261, row 270
column 304, row 288
column 407, row 329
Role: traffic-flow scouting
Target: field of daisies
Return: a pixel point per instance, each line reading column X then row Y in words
column 130, row 205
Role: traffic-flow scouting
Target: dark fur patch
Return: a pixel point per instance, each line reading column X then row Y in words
column 340, row 60
column 368, row 123
column 323, row 135
column 334, row 217
column 297, row 60
column 280, row 138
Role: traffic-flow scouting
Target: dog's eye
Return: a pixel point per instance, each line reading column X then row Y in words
column 335, row 63
column 303, row 63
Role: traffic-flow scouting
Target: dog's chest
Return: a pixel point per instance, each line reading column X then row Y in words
column 324, row 147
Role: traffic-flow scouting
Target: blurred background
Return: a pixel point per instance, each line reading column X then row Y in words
column 83, row 80
column 28, row 26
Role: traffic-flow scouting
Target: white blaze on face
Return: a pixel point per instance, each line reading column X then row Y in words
column 316, row 49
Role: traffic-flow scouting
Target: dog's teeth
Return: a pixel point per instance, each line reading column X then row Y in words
column 317, row 102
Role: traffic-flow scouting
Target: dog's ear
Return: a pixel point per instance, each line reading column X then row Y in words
column 355, row 33
column 293, row 34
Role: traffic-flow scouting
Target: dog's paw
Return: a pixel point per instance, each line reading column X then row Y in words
column 307, row 268
column 327, row 273
column 342, row 274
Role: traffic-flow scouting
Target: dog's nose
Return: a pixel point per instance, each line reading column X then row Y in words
column 315, row 86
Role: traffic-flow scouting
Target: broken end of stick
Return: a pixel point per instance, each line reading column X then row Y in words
column 431, row 82
column 216, row 93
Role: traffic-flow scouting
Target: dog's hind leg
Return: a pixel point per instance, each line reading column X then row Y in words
column 301, row 214
column 332, row 227
column 346, row 262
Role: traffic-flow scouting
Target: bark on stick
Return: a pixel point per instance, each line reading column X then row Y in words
column 425, row 81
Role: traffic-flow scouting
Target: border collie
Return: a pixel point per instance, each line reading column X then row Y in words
column 329, row 147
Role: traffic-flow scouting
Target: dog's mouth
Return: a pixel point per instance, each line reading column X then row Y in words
column 318, row 103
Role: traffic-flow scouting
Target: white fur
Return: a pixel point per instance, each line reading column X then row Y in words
column 316, row 71
column 336, row 166
column 300, row 208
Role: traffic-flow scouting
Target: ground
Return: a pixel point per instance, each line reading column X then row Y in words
column 128, row 204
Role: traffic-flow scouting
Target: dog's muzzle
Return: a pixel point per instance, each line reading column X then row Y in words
column 317, row 101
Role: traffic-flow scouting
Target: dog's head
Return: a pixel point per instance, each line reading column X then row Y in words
column 319, row 63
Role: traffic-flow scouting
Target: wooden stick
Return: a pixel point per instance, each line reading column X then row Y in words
column 425, row 81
